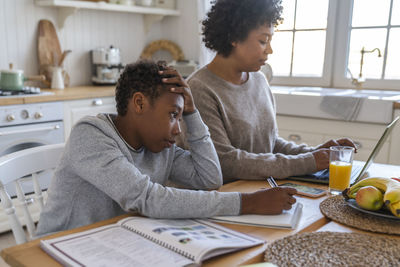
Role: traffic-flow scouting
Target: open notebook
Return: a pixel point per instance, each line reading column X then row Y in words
column 358, row 169
column 138, row 241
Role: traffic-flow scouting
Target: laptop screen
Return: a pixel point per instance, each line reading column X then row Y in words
column 377, row 148
column 323, row 175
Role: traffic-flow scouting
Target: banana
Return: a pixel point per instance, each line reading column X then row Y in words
column 394, row 208
column 392, row 194
column 390, row 188
column 383, row 184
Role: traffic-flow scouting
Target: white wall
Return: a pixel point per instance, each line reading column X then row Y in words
column 88, row 29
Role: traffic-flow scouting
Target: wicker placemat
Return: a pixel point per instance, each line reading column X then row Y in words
column 335, row 208
column 334, row 249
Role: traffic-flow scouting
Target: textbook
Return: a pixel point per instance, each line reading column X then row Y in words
column 287, row 219
column 139, row 241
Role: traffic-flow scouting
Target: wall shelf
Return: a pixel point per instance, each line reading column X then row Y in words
column 69, row 7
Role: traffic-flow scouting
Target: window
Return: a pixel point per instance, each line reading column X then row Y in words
column 322, row 42
column 292, row 39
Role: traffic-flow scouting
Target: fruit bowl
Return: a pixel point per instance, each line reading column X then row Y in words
column 380, row 213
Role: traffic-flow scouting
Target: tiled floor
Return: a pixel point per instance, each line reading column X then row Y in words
column 6, row 240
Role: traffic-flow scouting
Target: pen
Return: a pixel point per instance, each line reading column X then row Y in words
column 272, row 182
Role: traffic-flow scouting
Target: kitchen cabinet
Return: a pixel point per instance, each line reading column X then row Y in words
column 74, row 110
column 313, row 131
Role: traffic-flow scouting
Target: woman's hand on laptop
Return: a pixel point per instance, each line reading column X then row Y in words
column 321, row 157
column 339, row 142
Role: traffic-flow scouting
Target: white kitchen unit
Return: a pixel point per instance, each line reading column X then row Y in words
column 303, row 119
column 74, row 110
column 376, row 105
column 314, row 131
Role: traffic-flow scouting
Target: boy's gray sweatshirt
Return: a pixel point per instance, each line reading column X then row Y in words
column 100, row 176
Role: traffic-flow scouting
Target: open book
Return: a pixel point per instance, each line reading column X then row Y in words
column 287, row 219
column 138, row 241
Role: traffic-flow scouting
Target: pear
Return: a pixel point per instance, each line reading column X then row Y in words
column 369, row 198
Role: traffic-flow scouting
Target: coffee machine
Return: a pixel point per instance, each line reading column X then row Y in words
column 106, row 65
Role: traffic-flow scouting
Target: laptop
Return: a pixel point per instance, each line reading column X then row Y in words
column 359, row 168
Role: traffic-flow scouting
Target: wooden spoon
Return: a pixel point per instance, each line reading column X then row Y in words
column 64, row 54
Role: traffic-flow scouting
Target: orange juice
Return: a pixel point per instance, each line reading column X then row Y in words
column 339, row 175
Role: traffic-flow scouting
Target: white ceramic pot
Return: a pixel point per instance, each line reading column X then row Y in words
column 57, row 81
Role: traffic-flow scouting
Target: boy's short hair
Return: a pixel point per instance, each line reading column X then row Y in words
column 141, row 76
column 230, row 21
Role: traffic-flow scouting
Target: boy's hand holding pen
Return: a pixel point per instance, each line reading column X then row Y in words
column 268, row 201
column 272, row 182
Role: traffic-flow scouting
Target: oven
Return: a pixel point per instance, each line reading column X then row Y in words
column 26, row 126
column 30, row 125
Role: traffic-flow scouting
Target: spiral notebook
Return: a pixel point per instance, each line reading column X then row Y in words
column 139, row 241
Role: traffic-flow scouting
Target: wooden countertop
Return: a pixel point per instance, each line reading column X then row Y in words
column 71, row 93
column 78, row 92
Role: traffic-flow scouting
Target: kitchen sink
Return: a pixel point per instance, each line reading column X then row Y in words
column 376, row 94
column 376, row 107
column 321, row 91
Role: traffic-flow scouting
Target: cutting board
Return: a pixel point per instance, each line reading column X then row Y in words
column 49, row 51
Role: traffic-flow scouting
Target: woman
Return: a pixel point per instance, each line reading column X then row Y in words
column 235, row 101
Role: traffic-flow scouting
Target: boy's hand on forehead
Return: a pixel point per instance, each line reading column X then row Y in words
column 178, row 85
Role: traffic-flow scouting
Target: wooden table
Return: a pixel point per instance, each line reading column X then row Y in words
column 311, row 220
column 30, row 254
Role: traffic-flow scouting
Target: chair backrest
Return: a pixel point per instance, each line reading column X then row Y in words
column 19, row 166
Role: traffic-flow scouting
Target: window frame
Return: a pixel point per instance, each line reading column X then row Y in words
column 325, row 80
column 335, row 66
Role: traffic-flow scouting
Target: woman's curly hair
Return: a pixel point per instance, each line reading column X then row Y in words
column 141, row 76
column 230, row 21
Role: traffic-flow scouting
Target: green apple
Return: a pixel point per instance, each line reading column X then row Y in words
column 369, row 198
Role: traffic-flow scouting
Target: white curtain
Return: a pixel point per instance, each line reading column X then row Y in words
column 206, row 55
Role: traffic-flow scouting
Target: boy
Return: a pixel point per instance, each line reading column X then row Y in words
column 114, row 164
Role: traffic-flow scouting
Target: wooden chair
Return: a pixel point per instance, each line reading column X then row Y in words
column 19, row 166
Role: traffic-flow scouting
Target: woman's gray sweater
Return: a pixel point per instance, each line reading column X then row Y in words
column 242, row 123
column 100, row 176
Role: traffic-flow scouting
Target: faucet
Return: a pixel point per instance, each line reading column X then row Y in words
column 360, row 80
column 356, row 81
column 363, row 51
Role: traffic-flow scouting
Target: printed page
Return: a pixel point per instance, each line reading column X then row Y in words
column 195, row 238
column 112, row 246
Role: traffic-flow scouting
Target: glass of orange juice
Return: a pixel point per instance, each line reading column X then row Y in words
column 340, row 163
